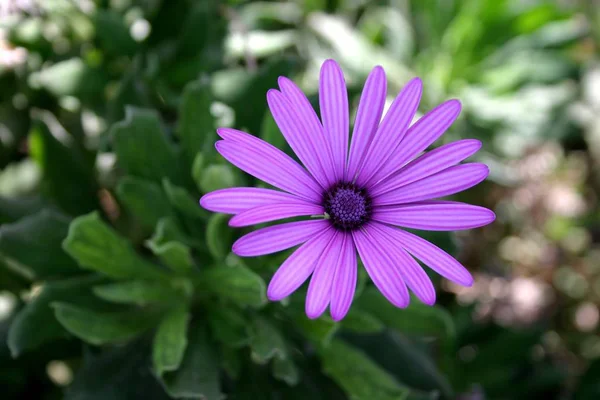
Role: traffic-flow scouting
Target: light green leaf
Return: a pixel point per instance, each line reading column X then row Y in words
column 355, row 47
column 138, row 292
column 35, row 324
column 35, row 243
column 198, row 374
column 357, row 375
column 72, row 77
column 259, row 43
column 218, row 236
column 238, row 284
column 174, row 255
column 145, row 199
column 142, row 148
column 217, row 176
column 170, row 340
column 98, row 247
column 267, row 341
column 196, row 124
column 102, row 328
column 197, row 167
column 168, row 230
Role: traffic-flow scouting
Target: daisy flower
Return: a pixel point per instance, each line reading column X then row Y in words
column 363, row 191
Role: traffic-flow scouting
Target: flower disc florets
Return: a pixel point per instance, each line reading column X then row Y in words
column 348, row 206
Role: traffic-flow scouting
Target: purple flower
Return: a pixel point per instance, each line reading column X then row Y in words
column 363, row 195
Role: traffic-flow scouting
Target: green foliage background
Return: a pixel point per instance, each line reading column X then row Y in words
column 114, row 284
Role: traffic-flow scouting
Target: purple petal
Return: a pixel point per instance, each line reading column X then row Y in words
column 413, row 275
column 420, row 136
column 428, row 164
column 333, row 100
column 392, row 129
column 319, row 289
column 272, row 166
column 235, row 200
column 298, row 267
column 381, row 269
column 368, row 115
column 434, row 257
column 435, row 216
column 293, row 113
column 273, row 212
column 344, row 281
column 451, row 180
column 278, row 237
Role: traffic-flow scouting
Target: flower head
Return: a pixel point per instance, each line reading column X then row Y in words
column 366, row 192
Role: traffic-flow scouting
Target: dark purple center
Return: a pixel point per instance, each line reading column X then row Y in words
column 347, row 205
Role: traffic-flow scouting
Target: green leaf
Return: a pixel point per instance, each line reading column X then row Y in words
column 68, row 176
column 138, row 292
column 170, row 341
column 145, row 199
column 97, row 247
column 35, row 243
column 418, row 318
column 196, row 124
column 183, row 201
column 168, row 230
column 15, row 208
column 409, row 361
column 358, row 320
column 174, row 255
column 219, row 237
column 102, row 328
column 228, row 326
column 12, row 277
column 358, row 375
column 217, row 176
column 198, row 374
column 285, row 370
column 235, row 86
column 270, row 132
column 197, row 167
column 113, row 34
column 142, row 148
column 320, row 331
column 116, row 373
column 238, row 284
column 36, row 325
column 231, row 361
column 204, row 28
column 267, row 341
column 132, row 90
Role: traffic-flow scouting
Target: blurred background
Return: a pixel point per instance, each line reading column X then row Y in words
column 114, row 284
